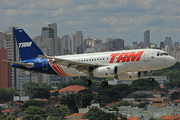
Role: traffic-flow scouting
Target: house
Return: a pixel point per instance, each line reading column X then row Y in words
column 150, row 95
column 10, row 111
column 170, row 117
column 159, row 102
column 129, row 118
column 112, row 104
column 75, row 116
column 176, row 103
column 72, row 89
column 11, row 104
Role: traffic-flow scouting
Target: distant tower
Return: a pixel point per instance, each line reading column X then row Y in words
column 51, row 32
column 5, row 80
column 77, row 40
column 162, row 45
column 8, row 41
column 147, row 38
column 135, row 45
column 118, row 44
column 168, row 42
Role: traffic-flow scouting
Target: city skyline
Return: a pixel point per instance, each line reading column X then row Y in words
column 97, row 19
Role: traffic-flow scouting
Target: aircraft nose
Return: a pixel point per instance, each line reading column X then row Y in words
column 173, row 60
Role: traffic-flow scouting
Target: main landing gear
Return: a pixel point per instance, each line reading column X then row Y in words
column 88, row 82
column 150, row 79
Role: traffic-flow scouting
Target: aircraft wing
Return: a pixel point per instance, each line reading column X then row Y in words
column 80, row 66
column 28, row 65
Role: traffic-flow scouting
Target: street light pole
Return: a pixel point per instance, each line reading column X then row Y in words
column 30, row 87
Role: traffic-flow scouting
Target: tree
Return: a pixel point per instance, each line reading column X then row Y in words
column 34, row 112
column 96, row 114
column 113, row 91
column 6, row 94
column 37, row 90
column 69, row 100
column 175, row 95
column 42, row 93
column 32, row 103
column 143, row 84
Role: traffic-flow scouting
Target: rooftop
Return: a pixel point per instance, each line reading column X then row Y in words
column 71, row 88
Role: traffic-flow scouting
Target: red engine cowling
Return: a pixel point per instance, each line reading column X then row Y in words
column 129, row 76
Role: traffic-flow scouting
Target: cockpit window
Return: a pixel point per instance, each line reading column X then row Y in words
column 165, row 54
column 161, row 54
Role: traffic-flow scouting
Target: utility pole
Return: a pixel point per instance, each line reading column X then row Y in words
column 30, row 86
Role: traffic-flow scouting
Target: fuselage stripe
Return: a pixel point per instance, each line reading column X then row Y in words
column 55, row 69
column 61, row 69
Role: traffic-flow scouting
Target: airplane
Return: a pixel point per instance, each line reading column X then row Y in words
column 122, row 65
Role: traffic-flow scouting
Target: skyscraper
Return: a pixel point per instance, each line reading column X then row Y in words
column 77, row 40
column 147, row 38
column 51, row 32
column 8, row 41
column 168, row 42
column 5, row 80
column 118, row 44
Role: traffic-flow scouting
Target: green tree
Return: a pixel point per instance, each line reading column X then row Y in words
column 34, row 112
column 69, row 100
column 96, row 114
column 37, row 90
column 113, row 91
column 33, row 103
column 143, row 84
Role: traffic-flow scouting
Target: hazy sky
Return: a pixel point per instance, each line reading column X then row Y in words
column 126, row 19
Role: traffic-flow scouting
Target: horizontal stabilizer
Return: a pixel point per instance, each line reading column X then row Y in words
column 28, row 65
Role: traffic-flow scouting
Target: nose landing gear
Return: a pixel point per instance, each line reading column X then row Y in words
column 150, row 79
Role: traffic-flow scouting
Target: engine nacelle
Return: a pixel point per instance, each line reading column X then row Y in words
column 129, row 76
column 104, row 71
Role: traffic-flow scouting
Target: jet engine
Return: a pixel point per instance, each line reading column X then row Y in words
column 128, row 76
column 104, row 71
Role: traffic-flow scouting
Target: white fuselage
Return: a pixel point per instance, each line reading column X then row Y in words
column 130, row 60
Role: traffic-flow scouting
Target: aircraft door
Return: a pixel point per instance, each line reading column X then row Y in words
column 45, row 64
column 147, row 56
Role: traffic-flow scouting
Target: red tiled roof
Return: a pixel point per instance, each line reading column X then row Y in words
column 129, row 118
column 73, row 88
column 112, row 104
column 10, row 110
column 176, row 101
column 162, row 87
column 18, row 103
column 170, row 117
column 76, row 115
column 43, row 100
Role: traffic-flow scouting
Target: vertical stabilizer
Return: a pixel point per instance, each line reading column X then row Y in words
column 27, row 48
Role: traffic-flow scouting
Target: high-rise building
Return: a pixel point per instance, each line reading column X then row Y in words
column 108, row 43
column 135, row 45
column 118, row 44
column 5, row 80
column 77, row 40
column 162, row 45
column 168, row 42
column 147, row 38
column 51, row 32
column 8, row 41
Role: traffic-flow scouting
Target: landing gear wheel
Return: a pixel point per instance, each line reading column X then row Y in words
column 104, row 84
column 151, row 79
column 87, row 82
